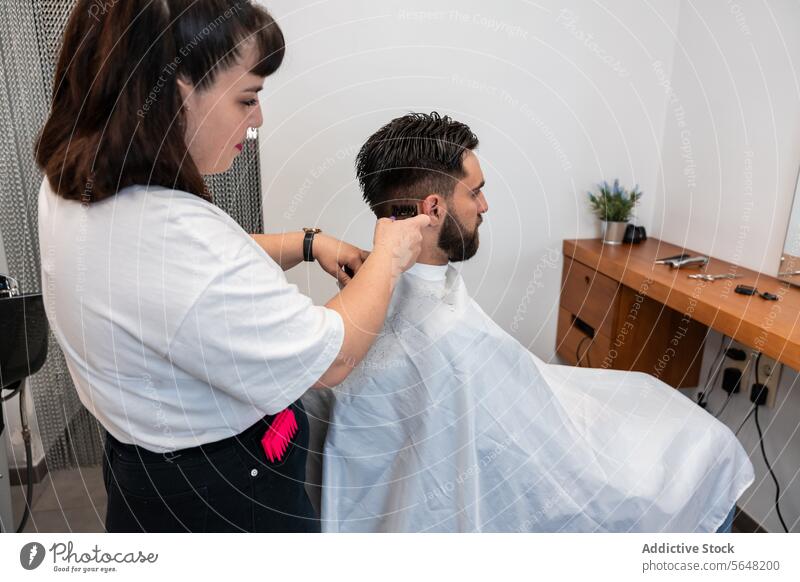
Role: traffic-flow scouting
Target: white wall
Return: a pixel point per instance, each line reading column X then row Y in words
column 552, row 116
column 728, row 182
column 729, row 172
column 697, row 102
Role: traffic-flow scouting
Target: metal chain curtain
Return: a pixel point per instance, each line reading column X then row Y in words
column 29, row 42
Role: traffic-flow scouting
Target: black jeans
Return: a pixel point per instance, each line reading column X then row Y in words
column 225, row 486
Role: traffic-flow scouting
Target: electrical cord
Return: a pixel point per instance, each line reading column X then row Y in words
column 26, row 437
column 772, row 473
column 578, row 355
column 746, row 418
column 764, row 455
column 17, row 388
column 14, row 387
column 702, row 398
column 753, row 408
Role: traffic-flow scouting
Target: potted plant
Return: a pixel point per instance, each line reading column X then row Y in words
column 614, row 205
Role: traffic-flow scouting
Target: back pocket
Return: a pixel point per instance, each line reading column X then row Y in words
column 155, row 499
column 177, row 512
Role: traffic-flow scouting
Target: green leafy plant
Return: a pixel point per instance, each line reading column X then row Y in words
column 614, row 203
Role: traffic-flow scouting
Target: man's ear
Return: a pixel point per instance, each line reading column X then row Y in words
column 433, row 206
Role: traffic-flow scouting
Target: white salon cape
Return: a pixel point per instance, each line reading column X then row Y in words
column 452, row 425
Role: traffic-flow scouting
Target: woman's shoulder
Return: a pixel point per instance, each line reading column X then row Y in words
column 182, row 210
column 163, row 221
column 187, row 224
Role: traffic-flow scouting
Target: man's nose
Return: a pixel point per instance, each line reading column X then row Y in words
column 484, row 206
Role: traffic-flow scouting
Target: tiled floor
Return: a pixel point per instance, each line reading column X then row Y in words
column 74, row 500
column 65, row 501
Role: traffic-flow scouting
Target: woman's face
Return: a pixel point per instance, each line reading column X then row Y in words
column 217, row 118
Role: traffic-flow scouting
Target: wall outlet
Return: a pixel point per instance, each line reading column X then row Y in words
column 744, row 366
column 769, row 374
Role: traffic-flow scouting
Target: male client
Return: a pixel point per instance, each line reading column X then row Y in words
column 450, row 424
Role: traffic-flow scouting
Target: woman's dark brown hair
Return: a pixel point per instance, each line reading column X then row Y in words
column 117, row 117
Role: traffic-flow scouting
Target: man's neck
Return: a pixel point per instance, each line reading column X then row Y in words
column 430, row 256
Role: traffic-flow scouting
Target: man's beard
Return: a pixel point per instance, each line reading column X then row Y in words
column 456, row 241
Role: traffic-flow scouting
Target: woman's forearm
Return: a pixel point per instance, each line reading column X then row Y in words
column 285, row 249
column 363, row 304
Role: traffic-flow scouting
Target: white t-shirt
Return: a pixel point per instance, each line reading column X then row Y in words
column 177, row 327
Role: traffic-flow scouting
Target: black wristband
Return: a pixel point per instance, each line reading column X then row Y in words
column 308, row 242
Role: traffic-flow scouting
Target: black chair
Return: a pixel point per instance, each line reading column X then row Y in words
column 23, row 351
column 23, row 338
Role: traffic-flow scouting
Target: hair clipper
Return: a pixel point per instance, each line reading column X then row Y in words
column 402, row 211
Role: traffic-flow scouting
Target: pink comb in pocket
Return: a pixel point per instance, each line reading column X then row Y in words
column 279, row 434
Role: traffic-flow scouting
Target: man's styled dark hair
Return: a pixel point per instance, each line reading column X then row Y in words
column 117, row 117
column 411, row 157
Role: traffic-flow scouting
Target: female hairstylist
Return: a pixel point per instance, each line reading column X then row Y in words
column 180, row 331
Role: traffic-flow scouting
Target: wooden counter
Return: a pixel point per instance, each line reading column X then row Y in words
column 654, row 319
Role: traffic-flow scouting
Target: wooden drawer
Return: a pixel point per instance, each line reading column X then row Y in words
column 571, row 339
column 589, row 295
column 640, row 333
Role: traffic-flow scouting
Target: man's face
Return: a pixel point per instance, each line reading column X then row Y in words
column 459, row 234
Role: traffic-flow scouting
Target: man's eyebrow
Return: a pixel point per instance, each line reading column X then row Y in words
column 481, row 185
column 254, row 89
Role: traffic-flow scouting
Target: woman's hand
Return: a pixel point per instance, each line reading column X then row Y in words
column 334, row 255
column 402, row 239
